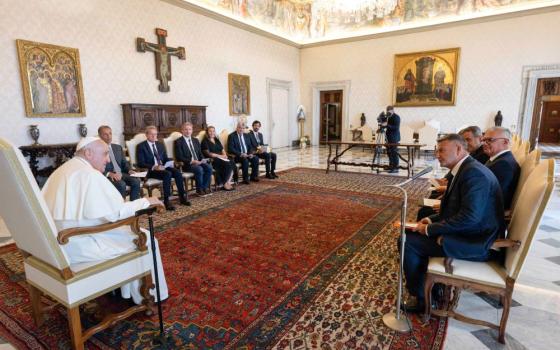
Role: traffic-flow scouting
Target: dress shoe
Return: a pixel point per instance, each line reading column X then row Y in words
column 201, row 193
column 185, row 202
column 274, row 175
column 169, row 207
column 208, row 191
column 393, row 171
column 256, row 179
column 269, row 176
column 413, row 306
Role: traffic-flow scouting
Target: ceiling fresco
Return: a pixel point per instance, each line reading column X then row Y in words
column 311, row 21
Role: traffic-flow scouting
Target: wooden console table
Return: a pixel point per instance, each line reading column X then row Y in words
column 60, row 152
column 411, row 149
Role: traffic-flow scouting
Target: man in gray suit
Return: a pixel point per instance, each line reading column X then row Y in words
column 118, row 170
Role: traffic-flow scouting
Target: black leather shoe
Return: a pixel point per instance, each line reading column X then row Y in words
column 274, row 175
column 256, row 179
column 393, row 171
column 201, row 193
column 169, row 207
column 185, row 202
column 208, row 191
column 268, row 176
column 416, row 308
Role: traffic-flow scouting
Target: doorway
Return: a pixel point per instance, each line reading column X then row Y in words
column 279, row 105
column 331, row 116
column 549, row 131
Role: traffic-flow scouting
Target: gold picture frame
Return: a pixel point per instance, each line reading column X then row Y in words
column 427, row 78
column 51, row 79
column 239, row 94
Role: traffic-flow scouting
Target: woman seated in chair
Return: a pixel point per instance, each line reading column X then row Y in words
column 212, row 148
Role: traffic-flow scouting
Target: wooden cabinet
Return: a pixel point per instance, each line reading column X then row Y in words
column 167, row 118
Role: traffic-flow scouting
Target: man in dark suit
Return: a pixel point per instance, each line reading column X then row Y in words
column 188, row 151
column 502, row 163
column 118, row 170
column 471, row 218
column 269, row 157
column 240, row 145
column 393, row 135
column 151, row 155
column 473, row 137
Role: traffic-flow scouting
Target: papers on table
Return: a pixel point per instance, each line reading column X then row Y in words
column 431, row 202
column 140, row 174
column 410, row 225
column 169, row 164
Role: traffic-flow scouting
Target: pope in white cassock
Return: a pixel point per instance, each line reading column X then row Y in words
column 78, row 195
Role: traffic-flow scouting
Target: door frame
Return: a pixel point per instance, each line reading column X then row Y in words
column 544, row 99
column 284, row 85
column 316, row 89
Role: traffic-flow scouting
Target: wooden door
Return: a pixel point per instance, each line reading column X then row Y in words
column 550, row 123
column 331, row 116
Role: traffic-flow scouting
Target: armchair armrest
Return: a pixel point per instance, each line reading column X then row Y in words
column 506, row 243
column 133, row 222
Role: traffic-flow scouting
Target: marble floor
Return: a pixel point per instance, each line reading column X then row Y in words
column 534, row 320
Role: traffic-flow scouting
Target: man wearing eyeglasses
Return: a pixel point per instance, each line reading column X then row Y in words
column 496, row 142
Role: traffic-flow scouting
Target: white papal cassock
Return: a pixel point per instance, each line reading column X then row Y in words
column 78, row 196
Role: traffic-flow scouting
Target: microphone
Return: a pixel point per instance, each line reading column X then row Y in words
column 423, row 172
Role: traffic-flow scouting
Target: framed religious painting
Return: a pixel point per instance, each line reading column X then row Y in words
column 239, row 94
column 51, row 80
column 427, row 78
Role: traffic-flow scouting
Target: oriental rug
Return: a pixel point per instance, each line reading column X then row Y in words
column 307, row 261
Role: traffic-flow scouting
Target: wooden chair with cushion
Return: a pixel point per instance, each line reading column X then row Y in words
column 521, row 152
column 147, row 183
column 47, row 267
column 529, row 164
column 493, row 277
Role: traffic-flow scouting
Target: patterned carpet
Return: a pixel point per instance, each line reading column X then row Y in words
column 306, row 261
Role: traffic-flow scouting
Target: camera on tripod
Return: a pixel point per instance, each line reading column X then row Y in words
column 382, row 120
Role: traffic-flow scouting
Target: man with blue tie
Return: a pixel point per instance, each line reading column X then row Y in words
column 188, row 151
column 269, row 157
column 151, row 155
column 118, row 170
column 471, row 218
column 240, row 145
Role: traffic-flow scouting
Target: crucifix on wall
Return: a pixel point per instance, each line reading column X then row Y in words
column 163, row 55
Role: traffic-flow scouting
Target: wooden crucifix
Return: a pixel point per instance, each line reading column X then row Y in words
column 163, row 57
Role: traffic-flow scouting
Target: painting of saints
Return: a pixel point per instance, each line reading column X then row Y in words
column 409, row 82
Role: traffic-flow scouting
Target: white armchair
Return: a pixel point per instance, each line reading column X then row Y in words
column 493, row 277
column 47, row 268
column 428, row 136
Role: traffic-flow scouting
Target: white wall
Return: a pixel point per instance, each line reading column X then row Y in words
column 490, row 66
column 113, row 72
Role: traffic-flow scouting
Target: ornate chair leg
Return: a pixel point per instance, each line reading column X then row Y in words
column 37, row 307
column 148, row 299
column 428, row 284
column 75, row 328
column 506, row 302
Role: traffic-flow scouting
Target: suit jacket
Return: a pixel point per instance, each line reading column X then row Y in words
column 471, row 215
column 393, row 132
column 145, row 156
column 507, row 172
column 234, row 147
column 254, row 139
column 480, row 155
column 119, row 158
column 183, row 153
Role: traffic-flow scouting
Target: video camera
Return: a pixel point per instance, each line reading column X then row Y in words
column 382, row 119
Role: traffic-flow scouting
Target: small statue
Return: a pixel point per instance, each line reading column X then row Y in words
column 82, row 130
column 498, row 119
column 363, row 120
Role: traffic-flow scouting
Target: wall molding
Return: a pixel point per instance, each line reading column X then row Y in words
column 319, row 86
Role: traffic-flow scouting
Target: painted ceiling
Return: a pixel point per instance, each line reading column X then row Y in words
column 311, row 21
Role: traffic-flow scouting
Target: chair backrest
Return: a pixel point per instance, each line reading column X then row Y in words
column 521, row 152
column 169, row 142
column 527, row 214
column 434, row 123
column 367, row 133
column 530, row 163
column 131, row 146
column 407, row 134
column 24, row 210
column 428, row 135
column 201, row 135
column 223, row 138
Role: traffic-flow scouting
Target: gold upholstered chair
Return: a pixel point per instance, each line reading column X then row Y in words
column 493, row 277
column 47, row 267
column 521, row 152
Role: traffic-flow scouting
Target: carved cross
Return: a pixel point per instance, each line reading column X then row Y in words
column 163, row 55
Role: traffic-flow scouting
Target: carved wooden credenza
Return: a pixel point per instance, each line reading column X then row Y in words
column 167, row 118
column 59, row 153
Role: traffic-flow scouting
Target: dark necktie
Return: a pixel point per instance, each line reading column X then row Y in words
column 191, row 148
column 448, row 189
column 243, row 149
column 156, row 154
